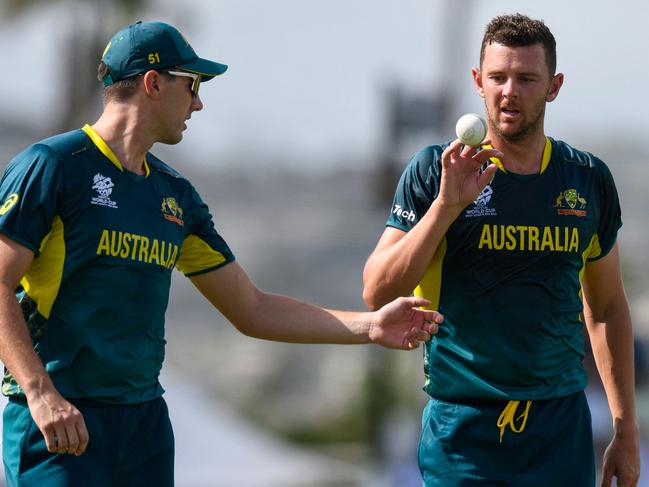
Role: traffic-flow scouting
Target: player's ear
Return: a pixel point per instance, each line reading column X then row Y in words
column 477, row 81
column 151, row 83
column 555, row 86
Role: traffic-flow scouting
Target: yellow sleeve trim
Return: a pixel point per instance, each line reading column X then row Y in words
column 593, row 250
column 196, row 256
column 107, row 151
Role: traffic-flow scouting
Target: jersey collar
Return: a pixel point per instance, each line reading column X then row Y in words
column 545, row 161
column 103, row 147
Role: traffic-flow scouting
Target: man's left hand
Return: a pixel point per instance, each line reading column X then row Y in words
column 622, row 459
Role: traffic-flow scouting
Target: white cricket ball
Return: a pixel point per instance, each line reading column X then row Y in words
column 471, row 129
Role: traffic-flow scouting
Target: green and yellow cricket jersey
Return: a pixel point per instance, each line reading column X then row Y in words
column 105, row 242
column 506, row 276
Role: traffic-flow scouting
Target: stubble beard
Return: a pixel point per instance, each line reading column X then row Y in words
column 525, row 130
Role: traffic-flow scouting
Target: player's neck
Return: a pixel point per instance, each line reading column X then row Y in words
column 521, row 157
column 121, row 132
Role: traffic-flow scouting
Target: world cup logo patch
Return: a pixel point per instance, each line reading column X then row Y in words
column 481, row 204
column 104, row 187
column 484, row 197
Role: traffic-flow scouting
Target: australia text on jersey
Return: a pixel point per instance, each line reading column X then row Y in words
column 139, row 248
column 531, row 238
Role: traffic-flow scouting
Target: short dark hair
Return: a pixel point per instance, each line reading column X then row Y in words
column 519, row 30
column 120, row 90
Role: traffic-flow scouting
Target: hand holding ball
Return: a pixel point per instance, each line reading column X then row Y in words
column 471, row 129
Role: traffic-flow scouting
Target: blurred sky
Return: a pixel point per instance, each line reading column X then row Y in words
column 307, row 79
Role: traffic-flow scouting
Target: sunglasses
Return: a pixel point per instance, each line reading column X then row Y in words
column 186, row 74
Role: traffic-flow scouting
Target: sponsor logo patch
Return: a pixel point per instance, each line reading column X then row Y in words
column 9, row 203
column 403, row 213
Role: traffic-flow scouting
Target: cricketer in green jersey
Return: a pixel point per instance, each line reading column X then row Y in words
column 91, row 227
column 515, row 243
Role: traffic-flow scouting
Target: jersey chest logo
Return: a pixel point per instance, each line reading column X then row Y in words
column 570, row 202
column 104, row 187
column 171, row 211
column 481, row 204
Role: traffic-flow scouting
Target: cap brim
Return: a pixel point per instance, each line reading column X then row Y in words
column 208, row 69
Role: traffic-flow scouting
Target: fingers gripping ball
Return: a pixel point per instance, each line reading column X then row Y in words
column 471, row 129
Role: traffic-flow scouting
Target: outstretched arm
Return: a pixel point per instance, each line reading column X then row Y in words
column 608, row 320
column 280, row 318
column 400, row 259
column 60, row 422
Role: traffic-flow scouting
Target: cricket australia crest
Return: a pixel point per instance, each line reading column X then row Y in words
column 171, row 211
column 570, row 202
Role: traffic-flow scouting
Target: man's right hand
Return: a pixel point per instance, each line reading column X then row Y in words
column 61, row 424
column 461, row 180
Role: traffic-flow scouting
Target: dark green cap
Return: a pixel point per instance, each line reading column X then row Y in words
column 142, row 46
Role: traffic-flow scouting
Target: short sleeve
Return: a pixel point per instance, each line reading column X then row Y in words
column 417, row 188
column 610, row 215
column 203, row 249
column 30, row 195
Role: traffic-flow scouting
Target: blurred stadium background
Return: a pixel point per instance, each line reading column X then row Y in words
column 297, row 153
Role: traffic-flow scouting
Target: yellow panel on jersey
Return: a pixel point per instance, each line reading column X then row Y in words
column 107, row 151
column 431, row 284
column 594, row 250
column 197, row 256
column 43, row 278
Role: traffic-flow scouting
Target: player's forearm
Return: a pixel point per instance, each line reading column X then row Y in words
column 611, row 339
column 396, row 270
column 274, row 317
column 17, row 350
column 281, row 318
